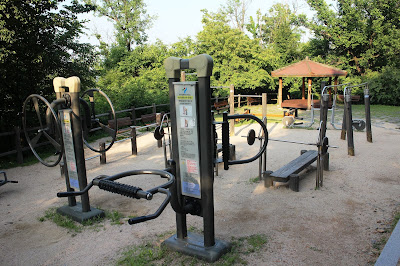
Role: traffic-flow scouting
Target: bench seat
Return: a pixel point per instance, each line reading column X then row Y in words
column 290, row 171
column 221, row 105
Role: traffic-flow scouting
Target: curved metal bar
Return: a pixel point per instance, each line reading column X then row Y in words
column 75, row 193
column 333, row 86
column 42, row 129
column 163, row 174
column 111, row 132
column 141, row 219
column 265, row 138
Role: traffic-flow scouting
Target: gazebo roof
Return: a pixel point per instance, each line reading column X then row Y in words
column 308, row 68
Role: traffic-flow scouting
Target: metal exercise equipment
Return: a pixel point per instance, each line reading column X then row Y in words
column 193, row 148
column 108, row 183
column 5, row 180
column 65, row 130
column 289, row 121
column 159, row 134
column 289, row 172
column 347, row 126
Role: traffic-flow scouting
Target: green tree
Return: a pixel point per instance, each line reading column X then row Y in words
column 130, row 19
column 359, row 35
column 38, row 41
column 236, row 11
column 238, row 59
column 136, row 78
column 279, row 29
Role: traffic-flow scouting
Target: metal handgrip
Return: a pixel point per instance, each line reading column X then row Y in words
column 225, row 139
column 123, row 189
column 141, row 219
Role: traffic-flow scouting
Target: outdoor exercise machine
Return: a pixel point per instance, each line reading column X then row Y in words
column 290, row 120
column 348, row 122
column 65, row 131
column 193, row 140
column 5, row 180
column 289, row 173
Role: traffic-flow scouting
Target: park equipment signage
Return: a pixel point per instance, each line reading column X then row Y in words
column 188, row 140
column 69, row 148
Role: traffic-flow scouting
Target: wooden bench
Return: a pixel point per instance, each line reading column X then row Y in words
column 290, row 171
column 221, row 105
column 251, row 100
column 122, row 122
column 149, row 119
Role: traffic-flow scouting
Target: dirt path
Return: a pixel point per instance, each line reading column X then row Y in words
column 336, row 225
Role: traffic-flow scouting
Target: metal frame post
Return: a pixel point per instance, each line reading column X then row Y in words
column 349, row 121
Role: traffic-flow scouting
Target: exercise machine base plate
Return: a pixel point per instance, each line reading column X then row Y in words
column 76, row 213
column 193, row 245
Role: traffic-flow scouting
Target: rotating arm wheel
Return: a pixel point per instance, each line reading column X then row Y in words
column 45, row 127
column 110, row 131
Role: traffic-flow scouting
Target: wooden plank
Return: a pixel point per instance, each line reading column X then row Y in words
column 297, row 165
column 122, row 122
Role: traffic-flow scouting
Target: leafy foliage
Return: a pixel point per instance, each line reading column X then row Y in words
column 136, row 78
column 360, row 36
column 238, row 59
column 38, row 41
column 130, row 19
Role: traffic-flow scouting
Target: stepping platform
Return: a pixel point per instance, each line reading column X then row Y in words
column 290, row 171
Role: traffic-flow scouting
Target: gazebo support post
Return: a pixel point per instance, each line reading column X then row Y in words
column 303, row 91
column 280, row 92
column 309, row 94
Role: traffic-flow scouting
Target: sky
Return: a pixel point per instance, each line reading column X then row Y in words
column 177, row 19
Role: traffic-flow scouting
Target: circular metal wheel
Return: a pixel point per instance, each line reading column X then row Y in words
column 251, row 137
column 358, row 124
column 95, row 122
column 49, row 128
column 158, row 133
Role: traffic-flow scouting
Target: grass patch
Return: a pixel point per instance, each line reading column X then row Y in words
column 60, row 220
column 10, row 161
column 156, row 254
column 63, row 221
column 114, row 216
column 254, row 180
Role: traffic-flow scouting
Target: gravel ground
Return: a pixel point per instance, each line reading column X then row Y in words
column 336, row 225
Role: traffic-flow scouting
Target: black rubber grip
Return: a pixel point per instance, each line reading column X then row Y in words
column 124, row 190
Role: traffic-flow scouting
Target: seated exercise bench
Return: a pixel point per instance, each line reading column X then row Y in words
column 290, row 172
column 221, row 105
column 122, row 122
column 149, row 119
column 251, row 100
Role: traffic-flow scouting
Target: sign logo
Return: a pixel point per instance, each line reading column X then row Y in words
column 184, row 90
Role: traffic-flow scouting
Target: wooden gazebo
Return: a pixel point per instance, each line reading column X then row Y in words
column 305, row 69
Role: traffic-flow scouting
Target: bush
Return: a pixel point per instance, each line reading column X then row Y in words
column 385, row 86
